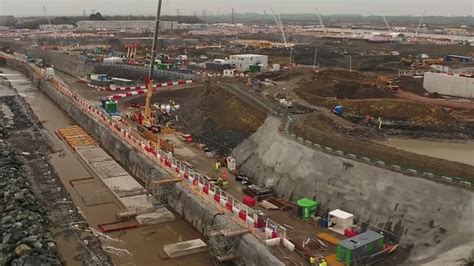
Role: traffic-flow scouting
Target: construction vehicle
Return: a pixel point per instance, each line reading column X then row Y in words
column 148, row 119
column 413, row 63
column 386, row 84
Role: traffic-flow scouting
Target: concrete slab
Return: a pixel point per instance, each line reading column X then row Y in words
column 185, row 248
column 124, row 186
column 138, row 203
column 161, row 215
column 93, row 154
column 108, row 169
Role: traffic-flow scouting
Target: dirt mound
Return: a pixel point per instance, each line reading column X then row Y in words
column 417, row 113
column 412, row 85
column 212, row 115
column 341, row 84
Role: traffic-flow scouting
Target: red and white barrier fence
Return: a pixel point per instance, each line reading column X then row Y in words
column 131, row 88
column 268, row 231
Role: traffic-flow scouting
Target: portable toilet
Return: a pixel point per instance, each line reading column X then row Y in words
column 307, row 208
column 254, row 68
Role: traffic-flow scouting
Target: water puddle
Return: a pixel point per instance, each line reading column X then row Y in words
column 140, row 246
column 451, row 151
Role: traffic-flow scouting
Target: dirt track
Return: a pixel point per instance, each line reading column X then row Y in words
column 465, row 104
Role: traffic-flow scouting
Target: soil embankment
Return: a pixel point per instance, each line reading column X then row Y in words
column 212, row 115
column 428, row 217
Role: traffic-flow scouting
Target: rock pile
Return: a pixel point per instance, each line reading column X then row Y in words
column 26, row 239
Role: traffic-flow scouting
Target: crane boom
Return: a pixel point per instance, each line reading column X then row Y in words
column 419, row 23
column 148, row 117
column 320, row 20
column 47, row 17
column 280, row 25
column 386, row 23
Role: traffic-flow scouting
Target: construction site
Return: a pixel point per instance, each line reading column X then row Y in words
column 162, row 142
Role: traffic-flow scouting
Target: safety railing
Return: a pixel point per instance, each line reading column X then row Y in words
column 241, row 213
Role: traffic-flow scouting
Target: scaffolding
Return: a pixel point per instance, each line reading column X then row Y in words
column 222, row 239
column 159, row 189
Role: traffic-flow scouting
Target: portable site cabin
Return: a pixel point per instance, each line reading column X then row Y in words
column 339, row 221
column 122, row 82
column 358, row 250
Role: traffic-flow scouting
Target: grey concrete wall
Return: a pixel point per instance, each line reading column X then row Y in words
column 433, row 217
column 445, row 84
column 250, row 250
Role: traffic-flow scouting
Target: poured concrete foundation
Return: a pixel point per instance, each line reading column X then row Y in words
column 185, row 248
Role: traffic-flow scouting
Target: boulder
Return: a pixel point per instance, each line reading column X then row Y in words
column 22, row 250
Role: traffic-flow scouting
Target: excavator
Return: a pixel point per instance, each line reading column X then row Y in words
column 386, row 84
column 413, row 63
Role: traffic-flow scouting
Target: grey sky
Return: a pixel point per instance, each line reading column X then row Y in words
column 147, row 7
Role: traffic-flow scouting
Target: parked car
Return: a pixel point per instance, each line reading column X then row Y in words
column 243, row 179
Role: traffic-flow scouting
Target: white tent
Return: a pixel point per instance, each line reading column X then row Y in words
column 339, row 221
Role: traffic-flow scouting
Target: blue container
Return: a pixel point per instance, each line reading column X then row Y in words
column 323, row 223
column 339, row 109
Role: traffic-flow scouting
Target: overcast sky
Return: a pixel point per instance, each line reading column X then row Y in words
column 214, row 7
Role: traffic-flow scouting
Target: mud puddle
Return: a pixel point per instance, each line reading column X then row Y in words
column 139, row 246
column 451, row 151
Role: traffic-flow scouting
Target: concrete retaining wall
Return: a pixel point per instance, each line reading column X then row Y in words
column 432, row 216
column 195, row 211
column 453, row 85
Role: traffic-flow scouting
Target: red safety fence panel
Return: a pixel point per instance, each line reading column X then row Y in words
column 242, row 215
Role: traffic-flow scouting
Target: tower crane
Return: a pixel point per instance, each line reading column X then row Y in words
column 277, row 19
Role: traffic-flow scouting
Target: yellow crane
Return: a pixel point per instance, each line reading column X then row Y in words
column 148, row 119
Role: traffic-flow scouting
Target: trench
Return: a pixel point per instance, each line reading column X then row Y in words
column 143, row 244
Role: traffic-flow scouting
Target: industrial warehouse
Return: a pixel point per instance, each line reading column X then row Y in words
column 236, row 138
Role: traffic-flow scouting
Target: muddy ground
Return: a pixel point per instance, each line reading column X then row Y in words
column 212, row 115
column 364, row 103
column 62, row 219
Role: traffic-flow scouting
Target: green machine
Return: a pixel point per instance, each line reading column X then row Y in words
column 254, row 68
column 307, row 208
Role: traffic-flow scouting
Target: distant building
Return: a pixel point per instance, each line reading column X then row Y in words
column 56, row 27
column 456, row 31
column 142, row 25
column 249, row 62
